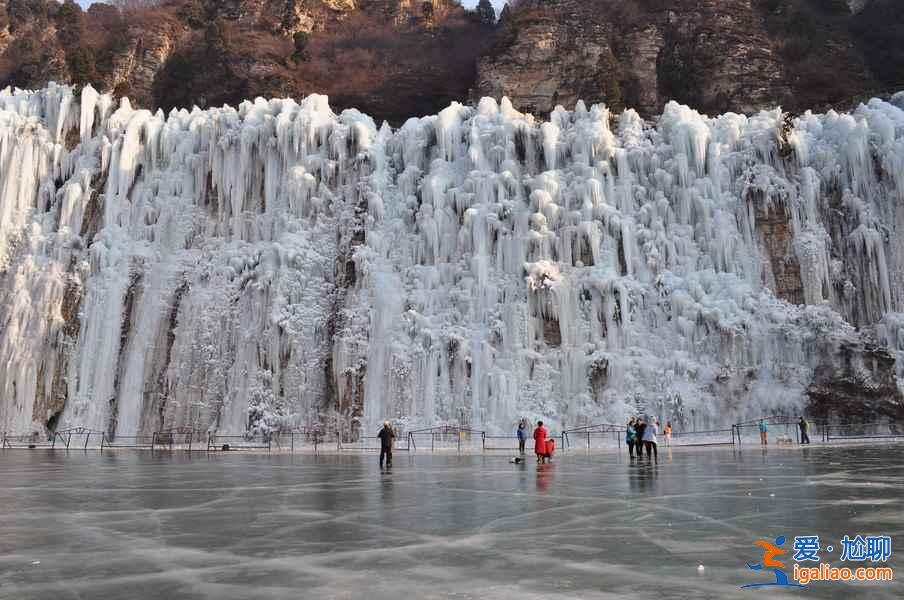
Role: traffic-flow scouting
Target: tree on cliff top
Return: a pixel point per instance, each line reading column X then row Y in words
column 486, row 14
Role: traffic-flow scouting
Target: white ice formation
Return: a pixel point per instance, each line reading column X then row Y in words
column 278, row 264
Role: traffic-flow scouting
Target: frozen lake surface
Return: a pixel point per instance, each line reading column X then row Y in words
column 132, row 525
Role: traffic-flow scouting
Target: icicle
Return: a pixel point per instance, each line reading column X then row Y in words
column 244, row 268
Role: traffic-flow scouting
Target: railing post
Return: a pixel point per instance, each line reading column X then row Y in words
column 459, row 440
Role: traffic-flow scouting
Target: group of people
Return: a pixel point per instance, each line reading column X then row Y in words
column 544, row 446
column 803, row 424
column 640, row 434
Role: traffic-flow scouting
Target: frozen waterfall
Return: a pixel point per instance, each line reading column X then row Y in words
column 279, row 265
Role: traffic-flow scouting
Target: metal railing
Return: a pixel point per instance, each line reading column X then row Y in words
column 139, row 442
column 179, row 438
column 299, row 437
column 78, row 436
column 707, row 437
column 447, row 437
column 30, row 440
column 861, row 431
column 607, row 435
column 217, row 442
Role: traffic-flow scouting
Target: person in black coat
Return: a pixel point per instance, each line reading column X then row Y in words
column 639, row 427
column 387, row 436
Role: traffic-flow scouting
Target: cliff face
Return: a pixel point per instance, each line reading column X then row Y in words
column 393, row 58
column 396, row 58
column 278, row 264
column 717, row 55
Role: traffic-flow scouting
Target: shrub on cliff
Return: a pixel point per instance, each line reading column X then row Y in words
column 81, row 63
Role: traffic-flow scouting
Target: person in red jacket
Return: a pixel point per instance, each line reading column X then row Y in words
column 540, row 441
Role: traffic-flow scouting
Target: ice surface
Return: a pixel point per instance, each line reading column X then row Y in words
column 136, row 526
column 278, row 264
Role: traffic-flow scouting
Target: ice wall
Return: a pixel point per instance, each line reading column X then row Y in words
column 278, row 264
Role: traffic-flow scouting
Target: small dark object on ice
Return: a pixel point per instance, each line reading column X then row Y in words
column 32, row 446
column 517, row 460
column 225, row 448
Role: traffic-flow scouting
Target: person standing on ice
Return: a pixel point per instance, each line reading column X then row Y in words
column 387, row 436
column 522, row 435
column 540, row 434
column 668, row 433
column 764, row 433
column 804, row 431
column 639, row 429
column 649, row 439
column 630, row 437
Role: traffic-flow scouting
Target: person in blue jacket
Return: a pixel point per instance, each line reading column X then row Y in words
column 630, row 436
column 522, row 435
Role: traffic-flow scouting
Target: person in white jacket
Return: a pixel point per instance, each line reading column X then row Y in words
column 649, row 439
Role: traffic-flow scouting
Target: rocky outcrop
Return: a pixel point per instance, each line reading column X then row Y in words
column 552, row 54
column 137, row 65
column 712, row 54
column 857, row 385
column 738, row 55
column 314, row 15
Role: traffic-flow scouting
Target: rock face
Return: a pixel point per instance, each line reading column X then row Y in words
column 857, row 385
column 714, row 54
column 392, row 57
column 553, row 53
column 395, row 58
